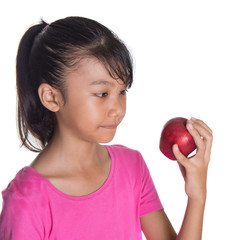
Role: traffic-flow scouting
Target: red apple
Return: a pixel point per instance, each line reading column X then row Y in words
column 175, row 132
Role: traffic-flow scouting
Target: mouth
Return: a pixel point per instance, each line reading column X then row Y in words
column 110, row 127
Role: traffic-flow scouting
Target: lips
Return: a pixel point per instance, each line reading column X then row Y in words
column 110, row 127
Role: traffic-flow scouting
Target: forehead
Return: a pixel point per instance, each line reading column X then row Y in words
column 92, row 72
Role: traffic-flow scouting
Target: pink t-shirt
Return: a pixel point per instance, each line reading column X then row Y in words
column 34, row 209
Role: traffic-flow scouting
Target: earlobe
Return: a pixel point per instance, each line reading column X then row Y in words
column 49, row 97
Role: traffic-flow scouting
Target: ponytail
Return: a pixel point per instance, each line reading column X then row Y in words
column 30, row 109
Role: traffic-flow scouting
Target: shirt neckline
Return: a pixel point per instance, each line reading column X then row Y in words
column 91, row 195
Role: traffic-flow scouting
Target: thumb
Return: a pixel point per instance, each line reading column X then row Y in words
column 179, row 156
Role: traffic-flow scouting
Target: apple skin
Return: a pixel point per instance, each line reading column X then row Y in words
column 175, row 132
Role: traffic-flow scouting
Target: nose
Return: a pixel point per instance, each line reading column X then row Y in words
column 117, row 108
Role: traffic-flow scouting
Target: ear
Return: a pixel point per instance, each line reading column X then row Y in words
column 50, row 97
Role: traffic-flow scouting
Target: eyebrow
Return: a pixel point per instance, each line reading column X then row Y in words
column 101, row 82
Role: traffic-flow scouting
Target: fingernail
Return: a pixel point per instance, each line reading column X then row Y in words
column 192, row 118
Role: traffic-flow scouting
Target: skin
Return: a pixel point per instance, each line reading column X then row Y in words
column 194, row 171
column 76, row 164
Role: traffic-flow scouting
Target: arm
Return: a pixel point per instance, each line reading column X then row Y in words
column 193, row 221
column 18, row 219
column 156, row 226
column 194, row 170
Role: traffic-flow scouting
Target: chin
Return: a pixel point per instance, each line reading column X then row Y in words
column 105, row 139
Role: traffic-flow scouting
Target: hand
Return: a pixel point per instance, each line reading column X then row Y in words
column 194, row 169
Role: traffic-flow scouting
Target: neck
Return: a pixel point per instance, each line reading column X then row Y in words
column 64, row 152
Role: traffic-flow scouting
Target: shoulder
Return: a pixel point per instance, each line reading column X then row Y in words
column 123, row 151
column 26, row 185
column 127, row 156
column 24, row 209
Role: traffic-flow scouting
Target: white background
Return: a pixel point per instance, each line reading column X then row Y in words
column 181, row 52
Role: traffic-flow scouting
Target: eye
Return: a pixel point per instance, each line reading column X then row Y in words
column 101, row 95
column 124, row 92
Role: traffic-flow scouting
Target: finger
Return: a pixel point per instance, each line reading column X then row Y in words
column 196, row 134
column 179, row 156
column 203, row 131
column 201, row 135
column 202, row 123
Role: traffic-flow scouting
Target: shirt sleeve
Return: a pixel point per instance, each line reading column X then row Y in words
column 149, row 199
column 18, row 219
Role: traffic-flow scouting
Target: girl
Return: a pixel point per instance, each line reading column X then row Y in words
column 72, row 79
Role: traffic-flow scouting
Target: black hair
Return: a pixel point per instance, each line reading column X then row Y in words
column 45, row 53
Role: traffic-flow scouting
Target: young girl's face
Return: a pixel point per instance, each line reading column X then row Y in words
column 95, row 104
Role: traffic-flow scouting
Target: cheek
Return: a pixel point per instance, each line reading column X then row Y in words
column 89, row 113
column 123, row 108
